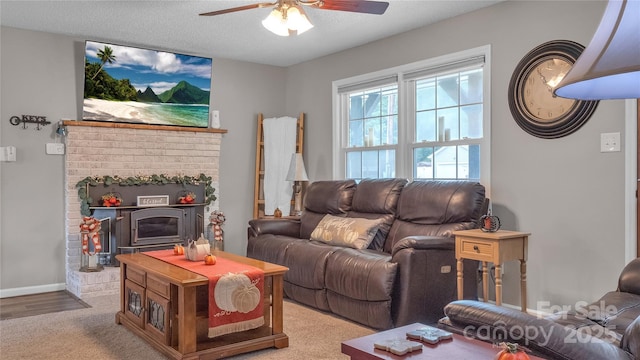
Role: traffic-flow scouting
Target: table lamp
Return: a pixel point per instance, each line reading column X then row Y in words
column 297, row 174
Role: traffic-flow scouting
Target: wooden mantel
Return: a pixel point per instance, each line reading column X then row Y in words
column 108, row 124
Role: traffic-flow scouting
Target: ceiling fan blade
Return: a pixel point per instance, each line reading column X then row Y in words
column 239, row 8
column 361, row 6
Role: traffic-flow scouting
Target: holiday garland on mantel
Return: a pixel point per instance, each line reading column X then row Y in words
column 86, row 200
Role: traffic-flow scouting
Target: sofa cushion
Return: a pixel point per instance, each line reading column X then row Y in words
column 270, row 248
column 436, row 208
column 361, row 274
column 374, row 314
column 356, row 233
column 305, row 280
column 325, row 197
column 307, row 262
column 378, row 196
column 614, row 310
column 377, row 199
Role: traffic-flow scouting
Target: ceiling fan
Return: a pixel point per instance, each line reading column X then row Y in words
column 289, row 18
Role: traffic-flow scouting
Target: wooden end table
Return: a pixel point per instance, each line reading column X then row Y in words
column 457, row 348
column 496, row 247
column 167, row 306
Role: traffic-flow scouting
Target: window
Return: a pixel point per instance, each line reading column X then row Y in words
column 372, row 133
column 427, row 120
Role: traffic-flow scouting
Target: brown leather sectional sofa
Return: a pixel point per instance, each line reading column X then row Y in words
column 408, row 272
column 608, row 328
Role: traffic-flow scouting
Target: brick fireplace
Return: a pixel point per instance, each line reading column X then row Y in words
column 101, row 148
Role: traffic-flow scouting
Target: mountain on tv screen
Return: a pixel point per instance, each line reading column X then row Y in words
column 134, row 85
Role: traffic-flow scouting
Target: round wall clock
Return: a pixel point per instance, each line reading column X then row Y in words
column 531, row 99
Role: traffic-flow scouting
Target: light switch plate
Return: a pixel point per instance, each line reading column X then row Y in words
column 55, row 149
column 610, row 142
column 214, row 119
column 8, row 153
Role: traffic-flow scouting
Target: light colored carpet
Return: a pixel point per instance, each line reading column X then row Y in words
column 93, row 334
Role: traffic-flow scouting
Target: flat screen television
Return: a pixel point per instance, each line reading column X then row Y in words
column 134, row 85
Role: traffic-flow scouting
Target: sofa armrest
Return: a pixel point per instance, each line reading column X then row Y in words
column 424, row 243
column 631, row 338
column 629, row 280
column 493, row 323
column 287, row 227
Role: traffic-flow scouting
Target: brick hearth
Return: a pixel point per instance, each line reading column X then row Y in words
column 118, row 149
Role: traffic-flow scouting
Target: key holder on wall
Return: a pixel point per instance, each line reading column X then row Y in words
column 40, row 121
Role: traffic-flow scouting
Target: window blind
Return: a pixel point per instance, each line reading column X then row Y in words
column 458, row 66
column 379, row 82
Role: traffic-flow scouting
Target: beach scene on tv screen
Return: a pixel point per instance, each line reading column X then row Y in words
column 135, row 85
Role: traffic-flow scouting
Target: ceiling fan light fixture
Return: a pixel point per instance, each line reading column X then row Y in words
column 283, row 20
column 297, row 20
column 276, row 23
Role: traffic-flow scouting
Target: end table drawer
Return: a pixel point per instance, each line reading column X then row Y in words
column 476, row 250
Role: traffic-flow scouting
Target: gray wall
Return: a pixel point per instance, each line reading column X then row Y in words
column 42, row 75
column 564, row 191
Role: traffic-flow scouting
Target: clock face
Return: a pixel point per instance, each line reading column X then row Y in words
column 537, row 90
column 531, row 100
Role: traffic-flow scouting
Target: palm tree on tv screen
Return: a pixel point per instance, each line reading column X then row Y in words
column 106, row 56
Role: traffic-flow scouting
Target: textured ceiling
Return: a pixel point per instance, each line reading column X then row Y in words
column 174, row 25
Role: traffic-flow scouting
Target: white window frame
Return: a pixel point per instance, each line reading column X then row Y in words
column 404, row 155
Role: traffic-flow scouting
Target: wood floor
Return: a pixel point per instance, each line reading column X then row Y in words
column 30, row 305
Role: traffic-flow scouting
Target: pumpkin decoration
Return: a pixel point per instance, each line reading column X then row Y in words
column 197, row 250
column 186, row 197
column 489, row 223
column 209, row 259
column 111, row 199
column 511, row 351
column 245, row 298
column 225, row 286
column 178, row 249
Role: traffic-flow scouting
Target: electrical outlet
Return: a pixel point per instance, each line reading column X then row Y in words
column 55, row 149
column 610, row 142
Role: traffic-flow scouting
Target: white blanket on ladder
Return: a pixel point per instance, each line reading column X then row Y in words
column 279, row 143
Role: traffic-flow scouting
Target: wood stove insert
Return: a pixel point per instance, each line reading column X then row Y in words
column 131, row 228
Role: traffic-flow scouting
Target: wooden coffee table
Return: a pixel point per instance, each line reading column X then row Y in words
column 458, row 348
column 167, row 306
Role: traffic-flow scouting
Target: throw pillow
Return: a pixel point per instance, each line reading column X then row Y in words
column 356, row 233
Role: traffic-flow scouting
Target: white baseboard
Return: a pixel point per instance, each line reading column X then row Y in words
column 29, row 290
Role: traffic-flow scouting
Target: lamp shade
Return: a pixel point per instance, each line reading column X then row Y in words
column 297, row 171
column 609, row 67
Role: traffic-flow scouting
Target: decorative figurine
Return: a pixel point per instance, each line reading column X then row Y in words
column 489, row 223
column 215, row 234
